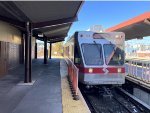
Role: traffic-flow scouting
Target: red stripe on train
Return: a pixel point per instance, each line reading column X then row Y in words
column 101, row 70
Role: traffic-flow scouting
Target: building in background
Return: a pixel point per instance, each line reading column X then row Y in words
column 138, row 48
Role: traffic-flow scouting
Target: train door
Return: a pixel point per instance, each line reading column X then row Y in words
column 3, row 58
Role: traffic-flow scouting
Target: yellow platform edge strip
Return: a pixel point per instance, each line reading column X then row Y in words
column 69, row 105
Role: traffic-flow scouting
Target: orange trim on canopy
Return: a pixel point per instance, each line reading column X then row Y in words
column 130, row 22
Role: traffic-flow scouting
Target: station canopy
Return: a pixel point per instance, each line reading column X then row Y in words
column 53, row 19
column 137, row 27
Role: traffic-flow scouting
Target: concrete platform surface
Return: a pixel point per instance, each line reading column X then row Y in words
column 44, row 96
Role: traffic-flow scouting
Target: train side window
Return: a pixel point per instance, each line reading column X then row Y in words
column 77, row 56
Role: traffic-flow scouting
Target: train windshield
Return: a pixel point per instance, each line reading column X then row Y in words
column 113, row 55
column 92, row 54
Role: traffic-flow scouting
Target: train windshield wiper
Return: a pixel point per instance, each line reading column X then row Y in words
column 111, row 55
column 100, row 52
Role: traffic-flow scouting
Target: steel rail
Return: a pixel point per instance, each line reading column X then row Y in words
column 135, row 101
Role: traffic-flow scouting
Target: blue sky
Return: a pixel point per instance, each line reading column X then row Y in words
column 107, row 13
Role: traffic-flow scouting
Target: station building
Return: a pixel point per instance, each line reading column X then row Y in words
column 12, row 47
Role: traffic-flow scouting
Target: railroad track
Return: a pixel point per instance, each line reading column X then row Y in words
column 117, row 103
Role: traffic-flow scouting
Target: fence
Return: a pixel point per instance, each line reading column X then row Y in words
column 73, row 77
column 139, row 69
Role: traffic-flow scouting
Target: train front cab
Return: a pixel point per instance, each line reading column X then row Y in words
column 92, row 57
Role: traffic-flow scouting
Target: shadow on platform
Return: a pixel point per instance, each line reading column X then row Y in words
column 44, row 96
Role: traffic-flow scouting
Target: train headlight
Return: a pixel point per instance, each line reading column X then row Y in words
column 119, row 70
column 90, row 70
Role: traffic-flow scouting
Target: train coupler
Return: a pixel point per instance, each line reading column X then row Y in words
column 106, row 93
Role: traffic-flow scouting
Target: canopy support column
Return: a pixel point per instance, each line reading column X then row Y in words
column 35, row 50
column 45, row 50
column 50, row 50
column 28, row 50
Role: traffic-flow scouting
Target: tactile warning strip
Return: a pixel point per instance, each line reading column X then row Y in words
column 70, row 105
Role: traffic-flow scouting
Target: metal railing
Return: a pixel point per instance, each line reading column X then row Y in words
column 139, row 69
column 73, row 72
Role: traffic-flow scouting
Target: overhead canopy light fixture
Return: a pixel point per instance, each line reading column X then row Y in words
column 40, row 35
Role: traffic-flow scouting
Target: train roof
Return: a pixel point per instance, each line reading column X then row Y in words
column 89, row 32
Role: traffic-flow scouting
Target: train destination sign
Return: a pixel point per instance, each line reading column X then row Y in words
column 98, row 36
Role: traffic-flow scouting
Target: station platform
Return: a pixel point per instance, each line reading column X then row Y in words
column 49, row 92
column 138, row 82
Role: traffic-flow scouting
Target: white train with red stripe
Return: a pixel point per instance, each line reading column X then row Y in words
column 99, row 56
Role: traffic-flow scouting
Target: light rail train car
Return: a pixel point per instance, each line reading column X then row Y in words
column 99, row 57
